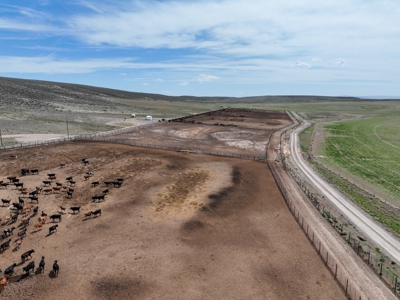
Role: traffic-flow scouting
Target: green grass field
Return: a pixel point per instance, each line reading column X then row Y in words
column 367, row 148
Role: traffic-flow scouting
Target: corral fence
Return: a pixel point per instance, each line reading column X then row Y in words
column 106, row 137
column 351, row 288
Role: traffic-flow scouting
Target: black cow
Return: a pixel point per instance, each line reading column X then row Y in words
column 35, row 171
column 10, row 270
column 52, row 229
column 5, row 245
column 75, row 209
column 96, row 212
column 56, row 216
column 27, row 254
column 29, row 267
column 6, row 201
column 46, row 182
column 56, row 268
column 95, row 183
column 69, row 178
column 41, row 265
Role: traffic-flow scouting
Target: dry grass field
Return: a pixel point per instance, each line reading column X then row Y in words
column 181, row 226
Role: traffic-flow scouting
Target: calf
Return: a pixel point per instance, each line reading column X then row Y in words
column 97, row 212
column 85, row 162
column 41, row 265
column 56, row 188
column 38, row 225
column 69, row 194
column 29, row 267
column 71, row 182
column 10, row 270
column 62, row 165
column 95, row 183
column 18, row 243
column 5, row 245
column 21, row 201
column 56, row 268
column 69, row 178
column 47, row 191
column 88, row 214
column 27, row 254
column 52, row 229
column 105, row 192
column 56, row 216
column 52, row 177
column 75, row 209
column 36, row 209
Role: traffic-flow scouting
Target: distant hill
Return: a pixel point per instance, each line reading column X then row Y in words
column 28, row 94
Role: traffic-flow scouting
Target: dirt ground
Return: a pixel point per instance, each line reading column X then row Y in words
column 236, row 131
column 181, row 226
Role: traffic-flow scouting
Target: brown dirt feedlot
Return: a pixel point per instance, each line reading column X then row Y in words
column 181, row 226
column 243, row 132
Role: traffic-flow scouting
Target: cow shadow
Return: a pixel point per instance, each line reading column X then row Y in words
column 38, row 271
column 52, row 274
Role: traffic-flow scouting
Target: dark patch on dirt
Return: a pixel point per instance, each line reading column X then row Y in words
column 193, row 225
column 112, row 288
column 218, row 199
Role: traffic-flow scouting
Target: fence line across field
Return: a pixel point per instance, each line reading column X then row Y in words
column 102, row 137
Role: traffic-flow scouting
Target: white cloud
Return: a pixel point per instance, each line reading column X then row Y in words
column 302, row 65
column 185, row 83
column 205, row 78
column 339, row 62
column 145, row 84
column 159, row 80
column 122, row 74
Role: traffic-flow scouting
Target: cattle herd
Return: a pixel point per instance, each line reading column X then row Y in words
column 21, row 213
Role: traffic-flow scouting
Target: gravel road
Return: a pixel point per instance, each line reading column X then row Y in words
column 386, row 241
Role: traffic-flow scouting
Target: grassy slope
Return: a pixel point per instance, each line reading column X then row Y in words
column 369, row 149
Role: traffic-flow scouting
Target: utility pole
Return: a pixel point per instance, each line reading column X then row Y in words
column 1, row 139
column 66, row 120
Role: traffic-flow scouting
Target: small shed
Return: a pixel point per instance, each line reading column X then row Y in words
column 149, row 118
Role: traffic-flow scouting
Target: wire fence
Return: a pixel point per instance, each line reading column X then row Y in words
column 350, row 287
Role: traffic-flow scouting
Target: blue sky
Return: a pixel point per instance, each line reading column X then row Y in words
column 207, row 48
